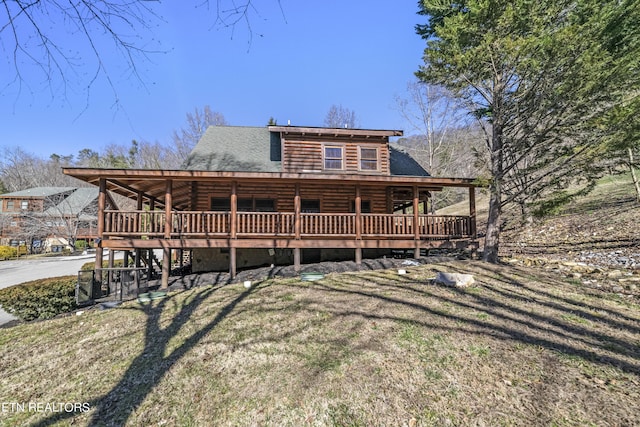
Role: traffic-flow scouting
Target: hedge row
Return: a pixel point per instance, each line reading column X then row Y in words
column 40, row 299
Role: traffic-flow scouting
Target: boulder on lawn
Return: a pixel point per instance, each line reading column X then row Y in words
column 455, row 279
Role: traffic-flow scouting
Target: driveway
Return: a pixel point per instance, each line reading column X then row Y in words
column 23, row 270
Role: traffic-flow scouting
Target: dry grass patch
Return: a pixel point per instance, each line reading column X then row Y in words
column 368, row 348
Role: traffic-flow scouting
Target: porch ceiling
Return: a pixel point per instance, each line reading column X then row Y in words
column 152, row 183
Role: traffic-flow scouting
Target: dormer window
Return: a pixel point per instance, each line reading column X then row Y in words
column 368, row 159
column 333, row 157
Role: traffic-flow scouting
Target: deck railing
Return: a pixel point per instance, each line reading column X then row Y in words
column 328, row 224
column 387, row 225
column 195, row 223
column 283, row 224
column 130, row 223
column 271, row 223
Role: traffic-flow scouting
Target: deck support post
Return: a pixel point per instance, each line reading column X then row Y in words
column 138, row 258
column 166, row 267
column 472, row 213
column 139, row 207
column 150, row 263
column 168, row 225
column 232, row 262
column 296, row 259
column 358, row 255
column 112, row 255
column 102, row 200
column 416, row 221
column 233, row 228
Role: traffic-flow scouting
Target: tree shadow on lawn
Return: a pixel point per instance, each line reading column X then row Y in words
column 512, row 310
column 552, row 327
column 150, row 366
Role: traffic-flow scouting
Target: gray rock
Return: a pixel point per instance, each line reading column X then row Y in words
column 455, row 279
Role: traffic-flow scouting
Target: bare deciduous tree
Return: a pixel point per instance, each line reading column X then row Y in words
column 20, row 170
column 340, row 117
column 197, row 123
column 62, row 215
column 445, row 141
column 35, row 49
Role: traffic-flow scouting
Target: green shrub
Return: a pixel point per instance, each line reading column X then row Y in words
column 8, row 252
column 91, row 265
column 88, row 266
column 40, row 299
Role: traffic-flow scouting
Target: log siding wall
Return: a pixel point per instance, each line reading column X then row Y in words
column 307, row 155
column 337, row 200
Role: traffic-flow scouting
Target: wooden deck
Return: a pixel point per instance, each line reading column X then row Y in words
column 141, row 224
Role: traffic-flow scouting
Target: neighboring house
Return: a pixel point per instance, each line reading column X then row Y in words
column 49, row 219
column 250, row 196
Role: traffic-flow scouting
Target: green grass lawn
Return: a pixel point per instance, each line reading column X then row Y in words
column 521, row 347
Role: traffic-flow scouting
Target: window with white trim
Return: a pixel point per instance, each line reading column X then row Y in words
column 333, row 157
column 368, row 159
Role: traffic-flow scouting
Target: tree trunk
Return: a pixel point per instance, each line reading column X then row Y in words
column 636, row 183
column 492, row 237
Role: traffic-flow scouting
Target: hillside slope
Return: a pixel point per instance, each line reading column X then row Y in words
column 520, row 347
column 602, row 228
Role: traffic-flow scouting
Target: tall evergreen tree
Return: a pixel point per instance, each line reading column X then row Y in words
column 539, row 76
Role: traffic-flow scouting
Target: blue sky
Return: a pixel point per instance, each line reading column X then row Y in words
column 292, row 64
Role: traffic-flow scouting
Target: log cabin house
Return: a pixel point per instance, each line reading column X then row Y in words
column 48, row 219
column 250, row 196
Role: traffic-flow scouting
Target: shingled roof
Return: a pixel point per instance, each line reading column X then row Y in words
column 70, row 200
column 257, row 149
column 75, row 203
column 401, row 163
column 38, row 192
column 236, row 149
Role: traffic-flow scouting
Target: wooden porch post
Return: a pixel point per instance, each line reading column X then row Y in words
column 140, row 206
column 297, row 208
column 233, row 228
column 416, row 219
column 358, row 203
column 472, row 212
column 234, row 209
column 168, row 200
column 168, row 225
column 102, row 200
column 297, row 225
column 139, row 200
column 358, row 206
